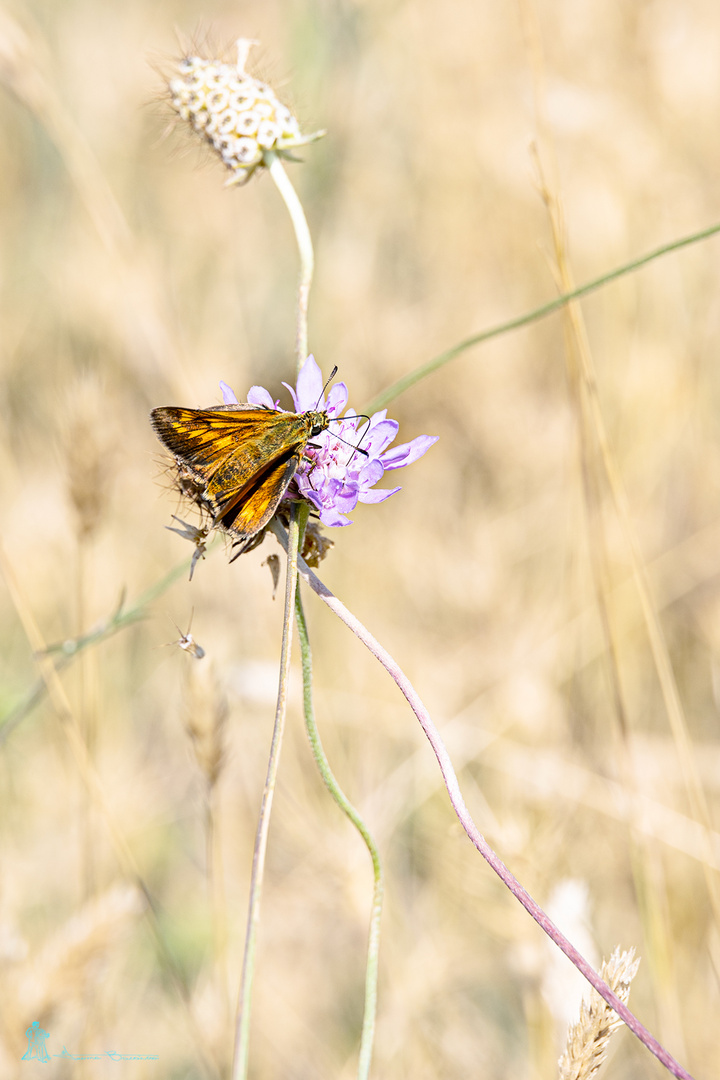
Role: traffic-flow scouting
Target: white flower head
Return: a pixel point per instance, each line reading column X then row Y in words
column 239, row 116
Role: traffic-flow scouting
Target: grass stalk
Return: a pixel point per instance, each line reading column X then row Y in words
column 371, row 970
column 242, row 1023
column 406, row 382
column 90, row 777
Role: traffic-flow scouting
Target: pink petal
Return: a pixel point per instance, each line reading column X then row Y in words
column 309, row 385
column 228, row 394
column 376, row 496
column 408, row 452
column 258, row 395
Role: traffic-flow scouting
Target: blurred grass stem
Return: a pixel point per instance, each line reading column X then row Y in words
column 597, row 462
column 91, row 778
column 70, row 649
column 371, row 973
column 87, row 716
column 298, row 519
column 216, row 889
column 421, row 372
column 591, row 421
column 25, row 77
column 649, row 887
column 305, row 249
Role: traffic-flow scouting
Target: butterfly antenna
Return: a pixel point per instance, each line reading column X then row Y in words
column 357, row 449
column 364, row 416
column 360, row 416
column 333, row 373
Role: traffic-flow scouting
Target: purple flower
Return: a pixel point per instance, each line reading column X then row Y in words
column 333, row 475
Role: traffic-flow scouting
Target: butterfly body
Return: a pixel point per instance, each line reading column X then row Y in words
column 238, row 459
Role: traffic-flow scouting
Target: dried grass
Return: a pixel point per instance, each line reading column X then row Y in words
column 588, row 1040
column 131, row 280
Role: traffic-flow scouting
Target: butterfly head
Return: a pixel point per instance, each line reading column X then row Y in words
column 319, row 422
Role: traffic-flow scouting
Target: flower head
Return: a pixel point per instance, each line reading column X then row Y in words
column 237, row 114
column 341, row 465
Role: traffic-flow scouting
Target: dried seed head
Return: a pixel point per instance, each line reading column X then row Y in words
column 237, row 114
column 587, row 1041
column 74, row 959
column 206, row 712
column 315, row 544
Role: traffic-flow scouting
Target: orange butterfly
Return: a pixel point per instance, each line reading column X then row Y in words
column 236, row 461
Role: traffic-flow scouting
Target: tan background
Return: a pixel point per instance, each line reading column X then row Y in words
column 130, row 279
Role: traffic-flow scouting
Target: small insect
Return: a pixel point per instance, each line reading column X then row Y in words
column 237, row 461
column 187, row 642
column 197, row 536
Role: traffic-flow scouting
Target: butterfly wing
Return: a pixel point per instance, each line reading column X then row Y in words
column 241, row 457
column 206, row 439
column 248, row 511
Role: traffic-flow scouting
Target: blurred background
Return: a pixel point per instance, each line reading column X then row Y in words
column 501, row 577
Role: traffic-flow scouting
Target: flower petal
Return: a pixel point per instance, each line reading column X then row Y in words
column 331, row 517
column 406, row 453
column 293, row 395
column 309, row 386
column 228, row 394
column 371, row 473
column 347, row 498
column 312, row 497
column 380, row 436
column 258, row 395
column 377, row 496
column 337, row 398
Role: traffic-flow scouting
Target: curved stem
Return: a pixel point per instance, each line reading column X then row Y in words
column 443, row 358
column 305, row 249
column 371, row 971
column 242, row 1026
column 463, row 814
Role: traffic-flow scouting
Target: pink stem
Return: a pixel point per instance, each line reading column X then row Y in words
column 451, row 783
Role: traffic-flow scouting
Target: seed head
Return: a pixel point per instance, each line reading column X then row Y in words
column 238, row 115
column 587, row 1041
column 206, row 713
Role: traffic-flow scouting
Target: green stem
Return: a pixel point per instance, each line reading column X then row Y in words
column 305, row 249
column 437, row 362
column 371, row 971
column 242, row 1028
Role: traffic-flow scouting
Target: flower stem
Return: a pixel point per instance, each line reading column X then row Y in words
column 371, row 971
column 305, row 248
column 458, row 803
column 242, row 1027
